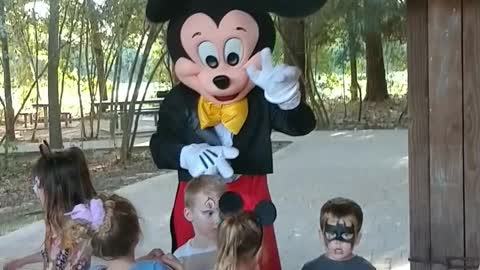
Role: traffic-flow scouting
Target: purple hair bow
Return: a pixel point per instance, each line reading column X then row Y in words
column 94, row 214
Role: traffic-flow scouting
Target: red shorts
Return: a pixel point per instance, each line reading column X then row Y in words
column 256, row 187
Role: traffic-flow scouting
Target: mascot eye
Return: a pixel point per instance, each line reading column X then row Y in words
column 208, row 54
column 233, row 51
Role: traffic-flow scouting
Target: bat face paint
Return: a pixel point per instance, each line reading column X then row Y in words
column 210, row 203
column 339, row 232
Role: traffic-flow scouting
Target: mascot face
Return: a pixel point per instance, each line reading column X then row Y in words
column 212, row 42
column 218, row 55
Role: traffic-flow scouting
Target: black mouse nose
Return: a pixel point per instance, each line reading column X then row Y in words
column 222, row 82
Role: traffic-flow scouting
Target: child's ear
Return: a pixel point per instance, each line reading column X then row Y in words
column 358, row 238
column 188, row 214
column 320, row 234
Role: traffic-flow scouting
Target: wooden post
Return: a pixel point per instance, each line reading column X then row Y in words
column 446, row 129
column 471, row 100
column 418, row 137
column 444, row 136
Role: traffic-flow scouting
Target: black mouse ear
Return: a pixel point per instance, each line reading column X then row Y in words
column 266, row 213
column 291, row 8
column 44, row 148
column 230, row 203
column 159, row 11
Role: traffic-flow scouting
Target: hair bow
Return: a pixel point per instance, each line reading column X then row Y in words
column 94, row 214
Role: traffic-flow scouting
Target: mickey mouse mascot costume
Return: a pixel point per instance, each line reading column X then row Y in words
column 219, row 118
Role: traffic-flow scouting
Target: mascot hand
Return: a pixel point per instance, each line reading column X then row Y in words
column 204, row 159
column 280, row 83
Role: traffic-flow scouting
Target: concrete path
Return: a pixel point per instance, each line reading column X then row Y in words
column 367, row 166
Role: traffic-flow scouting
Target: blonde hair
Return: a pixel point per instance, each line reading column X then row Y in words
column 239, row 240
column 118, row 234
column 206, row 184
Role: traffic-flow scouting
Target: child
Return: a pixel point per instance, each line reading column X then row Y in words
column 239, row 243
column 111, row 224
column 340, row 224
column 201, row 209
column 61, row 180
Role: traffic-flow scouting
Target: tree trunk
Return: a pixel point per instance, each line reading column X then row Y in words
column 376, row 81
column 353, row 76
column 83, row 133
column 97, row 50
column 7, row 81
column 353, row 49
column 152, row 36
column 37, row 45
column 294, row 46
column 55, row 129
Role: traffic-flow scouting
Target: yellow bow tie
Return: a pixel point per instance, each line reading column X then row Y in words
column 232, row 116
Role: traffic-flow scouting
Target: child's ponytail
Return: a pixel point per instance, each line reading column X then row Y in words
column 240, row 239
column 111, row 224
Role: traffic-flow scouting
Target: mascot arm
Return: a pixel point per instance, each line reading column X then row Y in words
column 167, row 142
column 296, row 122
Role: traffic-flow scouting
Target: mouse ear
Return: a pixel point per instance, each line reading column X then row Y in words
column 44, row 148
column 230, row 203
column 266, row 213
column 159, row 11
column 290, row 8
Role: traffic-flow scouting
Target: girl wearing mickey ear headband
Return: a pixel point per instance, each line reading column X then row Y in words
column 239, row 243
column 240, row 234
column 61, row 180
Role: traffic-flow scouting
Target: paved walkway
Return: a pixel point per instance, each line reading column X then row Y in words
column 367, row 166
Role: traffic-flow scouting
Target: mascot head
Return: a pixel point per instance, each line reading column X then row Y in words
column 212, row 42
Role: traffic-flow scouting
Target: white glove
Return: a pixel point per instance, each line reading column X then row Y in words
column 280, row 83
column 204, row 159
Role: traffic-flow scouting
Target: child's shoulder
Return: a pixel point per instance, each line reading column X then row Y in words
column 148, row 265
column 183, row 250
column 188, row 250
column 362, row 263
column 315, row 263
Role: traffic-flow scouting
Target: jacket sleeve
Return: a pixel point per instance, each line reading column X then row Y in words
column 167, row 142
column 296, row 122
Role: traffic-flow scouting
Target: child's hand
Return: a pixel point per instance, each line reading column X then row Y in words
column 13, row 265
column 154, row 254
column 172, row 262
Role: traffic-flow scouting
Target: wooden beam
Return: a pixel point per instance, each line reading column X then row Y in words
column 418, row 135
column 471, row 100
column 446, row 129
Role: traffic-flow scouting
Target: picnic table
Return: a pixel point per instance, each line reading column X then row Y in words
column 44, row 107
column 149, row 107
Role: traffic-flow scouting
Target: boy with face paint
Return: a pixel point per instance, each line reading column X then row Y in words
column 340, row 224
column 202, row 211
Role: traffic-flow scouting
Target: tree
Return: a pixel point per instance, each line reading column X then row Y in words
column 376, row 80
column 294, row 45
column 7, row 80
column 55, row 129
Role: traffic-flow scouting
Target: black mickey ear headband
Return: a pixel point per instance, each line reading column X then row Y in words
column 159, row 11
column 45, row 149
column 231, row 203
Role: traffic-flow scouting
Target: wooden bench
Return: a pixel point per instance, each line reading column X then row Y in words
column 67, row 117
column 145, row 111
column 25, row 117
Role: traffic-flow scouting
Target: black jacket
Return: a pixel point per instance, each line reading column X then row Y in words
column 178, row 126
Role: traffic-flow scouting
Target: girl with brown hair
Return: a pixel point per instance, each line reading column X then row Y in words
column 61, row 180
column 111, row 224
